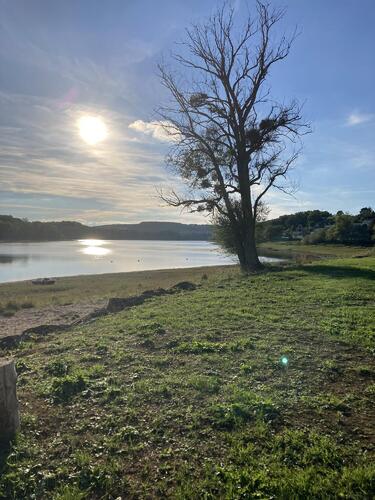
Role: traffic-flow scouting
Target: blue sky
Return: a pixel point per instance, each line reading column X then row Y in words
column 61, row 60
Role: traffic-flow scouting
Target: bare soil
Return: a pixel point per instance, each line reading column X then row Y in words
column 24, row 319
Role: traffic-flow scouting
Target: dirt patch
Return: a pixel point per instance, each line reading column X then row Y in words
column 31, row 319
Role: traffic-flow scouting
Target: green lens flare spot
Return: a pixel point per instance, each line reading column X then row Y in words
column 284, row 361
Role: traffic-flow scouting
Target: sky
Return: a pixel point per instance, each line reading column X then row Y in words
column 63, row 60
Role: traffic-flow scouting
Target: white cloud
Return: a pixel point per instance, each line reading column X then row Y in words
column 159, row 130
column 358, row 118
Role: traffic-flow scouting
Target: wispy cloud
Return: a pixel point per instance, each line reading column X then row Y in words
column 41, row 154
column 357, row 118
column 158, row 130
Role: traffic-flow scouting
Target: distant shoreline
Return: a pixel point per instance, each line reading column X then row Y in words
column 105, row 239
column 13, row 230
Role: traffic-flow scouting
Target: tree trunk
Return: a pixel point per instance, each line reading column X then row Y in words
column 249, row 261
column 9, row 416
column 248, row 255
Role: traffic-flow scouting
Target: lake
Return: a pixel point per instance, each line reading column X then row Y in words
column 23, row 261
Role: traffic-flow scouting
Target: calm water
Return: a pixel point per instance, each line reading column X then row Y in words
column 22, row 261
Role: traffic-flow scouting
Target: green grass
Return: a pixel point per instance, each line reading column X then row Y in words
column 297, row 247
column 186, row 396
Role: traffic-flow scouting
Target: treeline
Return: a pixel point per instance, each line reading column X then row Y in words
column 316, row 226
column 15, row 229
column 312, row 227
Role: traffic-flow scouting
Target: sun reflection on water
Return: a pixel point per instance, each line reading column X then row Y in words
column 94, row 247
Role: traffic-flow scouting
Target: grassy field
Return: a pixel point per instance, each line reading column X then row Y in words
column 248, row 387
column 326, row 250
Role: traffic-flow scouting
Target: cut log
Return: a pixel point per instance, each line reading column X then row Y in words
column 9, row 414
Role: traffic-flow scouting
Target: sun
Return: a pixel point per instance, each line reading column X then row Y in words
column 92, row 129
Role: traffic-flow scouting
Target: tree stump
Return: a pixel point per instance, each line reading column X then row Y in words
column 9, row 415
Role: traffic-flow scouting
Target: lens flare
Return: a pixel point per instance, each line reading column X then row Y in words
column 284, row 360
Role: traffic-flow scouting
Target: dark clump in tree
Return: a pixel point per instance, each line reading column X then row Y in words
column 232, row 142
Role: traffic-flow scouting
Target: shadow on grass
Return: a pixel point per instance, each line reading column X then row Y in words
column 341, row 271
column 5, row 449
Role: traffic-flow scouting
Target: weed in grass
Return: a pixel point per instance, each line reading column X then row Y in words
column 246, row 369
column 147, row 344
column 113, row 394
column 22, row 367
column 162, row 361
column 330, row 366
column 128, row 434
column 58, row 367
column 370, row 389
column 329, row 402
column 101, row 350
column 95, row 371
column 242, row 407
column 70, row 493
column 29, row 421
column 199, row 347
column 229, row 416
column 204, row 384
column 103, row 478
column 297, row 448
column 64, row 388
column 152, row 328
column 365, row 371
column 332, row 369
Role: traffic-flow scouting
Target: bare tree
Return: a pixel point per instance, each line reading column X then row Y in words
column 232, row 142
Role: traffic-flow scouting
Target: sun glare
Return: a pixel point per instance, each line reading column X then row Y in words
column 94, row 247
column 92, row 129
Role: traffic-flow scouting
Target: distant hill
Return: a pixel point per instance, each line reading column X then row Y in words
column 155, row 231
column 14, row 229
